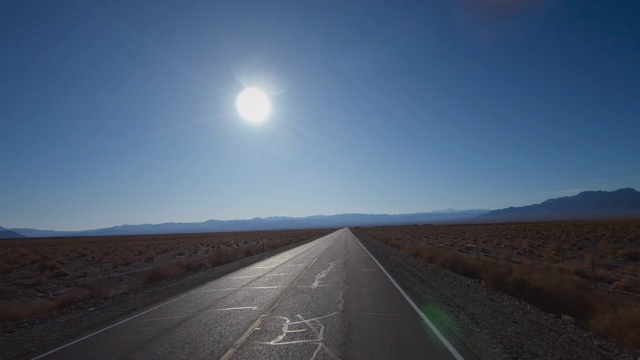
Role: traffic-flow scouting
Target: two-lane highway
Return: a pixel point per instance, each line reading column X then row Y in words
column 328, row 299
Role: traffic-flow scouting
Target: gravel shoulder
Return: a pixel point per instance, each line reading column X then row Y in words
column 492, row 324
column 29, row 338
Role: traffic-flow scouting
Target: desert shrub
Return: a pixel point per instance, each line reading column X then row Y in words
column 160, row 273
column 5, row 269
column 631, row 270
column 72, row 297
column 59, row 273
column 630, row 254
column 48, row 266
column 552, row 292
column 425, row 252
column 17, row 310
column 507, row 256
column 626, row 284
column 221, row 257
column 605, row 246
column 582, row 273
column 193, row 264
column 460, row 264
column 413, row 249
column 252, row 250
column 619, row 320
column 495, row 275
column 104, row 290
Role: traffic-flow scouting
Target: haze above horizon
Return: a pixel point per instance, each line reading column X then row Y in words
column 124, row 113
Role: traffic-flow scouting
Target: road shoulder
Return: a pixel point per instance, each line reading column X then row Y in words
column 492, row 324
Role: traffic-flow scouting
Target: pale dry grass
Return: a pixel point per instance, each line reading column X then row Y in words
column 559, row 280
column 35, row 272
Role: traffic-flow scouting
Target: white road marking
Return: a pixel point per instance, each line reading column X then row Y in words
column 259, row 320
column 253, row 276
column 286, row 255
column 242, row 288
column 111, row 326
column 433, row 328
column 213, row 290
column 264, row 287
column 200, row 312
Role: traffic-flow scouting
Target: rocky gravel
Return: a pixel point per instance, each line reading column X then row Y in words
column 492, row 324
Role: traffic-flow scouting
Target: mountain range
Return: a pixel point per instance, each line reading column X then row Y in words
column 585, row 205
column 269, row 223
column 8, row 234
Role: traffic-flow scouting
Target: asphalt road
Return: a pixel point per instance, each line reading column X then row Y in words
column 327, row 299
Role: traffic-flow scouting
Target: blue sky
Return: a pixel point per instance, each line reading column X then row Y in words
column 123, row 112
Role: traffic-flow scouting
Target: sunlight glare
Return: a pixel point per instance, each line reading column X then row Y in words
column 253, row 105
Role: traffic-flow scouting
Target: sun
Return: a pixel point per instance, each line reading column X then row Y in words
column 253, row 105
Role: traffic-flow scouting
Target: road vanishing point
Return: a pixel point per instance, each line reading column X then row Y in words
column 326, row 299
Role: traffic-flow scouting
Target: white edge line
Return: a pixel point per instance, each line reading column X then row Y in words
column 111, row 326
column 433, row 328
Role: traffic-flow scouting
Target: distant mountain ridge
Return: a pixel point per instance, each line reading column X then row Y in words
column 8, row 234
column 268, row 223
column 587, row 204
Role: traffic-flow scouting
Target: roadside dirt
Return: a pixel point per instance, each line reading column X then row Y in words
column 492, row 324
column 28, row 338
